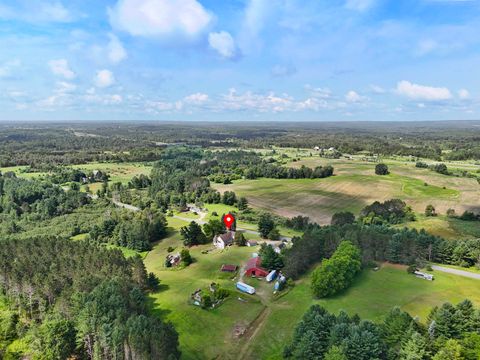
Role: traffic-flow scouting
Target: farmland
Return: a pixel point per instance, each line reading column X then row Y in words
column 354, row 186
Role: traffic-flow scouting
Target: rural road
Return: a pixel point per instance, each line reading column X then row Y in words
column 456, row 272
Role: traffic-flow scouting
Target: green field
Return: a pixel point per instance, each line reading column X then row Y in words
column 354, row 186
column 204, row 334
column 371, row 296
column 448, row 228
column 269, row 321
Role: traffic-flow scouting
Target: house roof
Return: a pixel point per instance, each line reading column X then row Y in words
column 255, row 262
column 227, row 238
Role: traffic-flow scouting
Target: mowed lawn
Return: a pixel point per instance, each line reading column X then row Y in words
column 204, row 334
column 372, row 296
column 354, row 186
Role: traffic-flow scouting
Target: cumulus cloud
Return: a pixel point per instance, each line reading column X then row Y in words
column 104, row 78
column 223, row 43
column 354, row 97
column 60, row 67
column 422, row 92
column 377, row 89
column 319, row 92
column 463, row 94
column 196, row 99
column 116, row 51
column 160, row 18
column 8, row 69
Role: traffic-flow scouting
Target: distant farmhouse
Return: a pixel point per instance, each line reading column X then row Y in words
column 223, row 240
column 254, row 268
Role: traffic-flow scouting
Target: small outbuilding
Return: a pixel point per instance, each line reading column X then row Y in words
column 254, row 268
column 251, row 243
column 228, row 268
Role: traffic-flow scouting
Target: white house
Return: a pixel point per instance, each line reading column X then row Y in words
column 223, row 240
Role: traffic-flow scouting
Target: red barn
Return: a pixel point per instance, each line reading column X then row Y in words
column 254, row 268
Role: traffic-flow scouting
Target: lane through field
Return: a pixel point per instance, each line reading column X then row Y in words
column 456, row 272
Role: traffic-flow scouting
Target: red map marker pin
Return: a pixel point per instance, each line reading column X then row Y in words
column 229, row 219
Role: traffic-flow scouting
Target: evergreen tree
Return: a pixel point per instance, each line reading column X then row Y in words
column 193, row 235
column 265, row 224
column 415, row 348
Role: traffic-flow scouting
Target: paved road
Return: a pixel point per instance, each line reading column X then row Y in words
column 126, row 206
column 456, row 272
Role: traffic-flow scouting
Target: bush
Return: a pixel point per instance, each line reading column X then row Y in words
column 170, row 249
column 381, row 169
column 429, row 268
column 411, row 269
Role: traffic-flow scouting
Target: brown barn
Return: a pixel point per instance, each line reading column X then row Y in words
column 254, row 268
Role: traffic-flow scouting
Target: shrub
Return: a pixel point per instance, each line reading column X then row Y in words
column 381, row 169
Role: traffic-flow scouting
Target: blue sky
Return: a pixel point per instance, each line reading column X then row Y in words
column 239, row 60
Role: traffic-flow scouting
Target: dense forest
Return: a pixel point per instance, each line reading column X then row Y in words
column 378, row 243
column 61, row 296
column 450, row 333
column 43, row 145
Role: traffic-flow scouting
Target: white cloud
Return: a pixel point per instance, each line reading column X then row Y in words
column 319, row 92
column 107, row 99
column 196, row 99
column 354, row 97
column 463, row 94
column 8, row 69
column 377, row 89
column 422, row 92
column 426, row 46
column 60, row 67
column 64, row 87
column 223, row 43
column 37, row 11
column 104, row 78
column 158, row 18
column 55, row 12
column 359, row 5
column 116, row 51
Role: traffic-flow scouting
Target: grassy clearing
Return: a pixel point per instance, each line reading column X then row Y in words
column 371, row 296
column 203, row 334
column 20, row 172
column 448, row 228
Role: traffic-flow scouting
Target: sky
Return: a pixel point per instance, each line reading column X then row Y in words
column 240, row 60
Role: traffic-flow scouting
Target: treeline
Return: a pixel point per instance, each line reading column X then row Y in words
column 394, row 211
column 182, row 174
column 61, row 175
column 337, row 273
column 74, row 299
column 451, row 333
column 134, row 230
column 36, row 197
column 377, row 243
